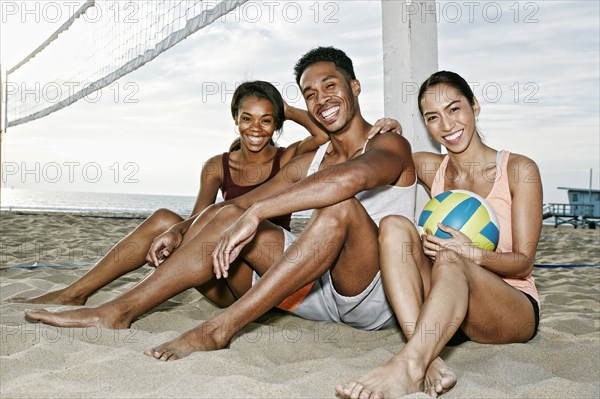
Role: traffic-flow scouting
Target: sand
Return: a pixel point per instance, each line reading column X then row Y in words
column 279, row 355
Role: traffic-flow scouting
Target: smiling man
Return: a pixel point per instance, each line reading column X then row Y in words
column 330, row 271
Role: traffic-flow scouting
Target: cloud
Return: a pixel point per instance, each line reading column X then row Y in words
column 182, row 117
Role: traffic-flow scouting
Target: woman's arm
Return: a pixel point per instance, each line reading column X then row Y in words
column 211, row 178
column 426, row 165
column 526, row 216
column 526, row 219
column 317, row 135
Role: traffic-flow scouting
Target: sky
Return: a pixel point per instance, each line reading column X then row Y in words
column 534, row 66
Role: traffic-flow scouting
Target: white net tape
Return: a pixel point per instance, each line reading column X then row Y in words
column 101, row 42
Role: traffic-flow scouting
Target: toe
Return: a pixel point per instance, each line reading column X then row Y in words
column 346, row 389
column 439, row 388
column 377, row 395
column 341, row 389
column 166, row 356
column 356, row 390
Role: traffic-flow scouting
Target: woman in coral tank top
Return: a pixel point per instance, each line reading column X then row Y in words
column 447, row 290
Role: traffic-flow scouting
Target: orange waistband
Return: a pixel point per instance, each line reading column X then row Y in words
column 291, row 302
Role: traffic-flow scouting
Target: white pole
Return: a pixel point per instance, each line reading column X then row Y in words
column 2, row 128
column 409, row 57
column 591, row 185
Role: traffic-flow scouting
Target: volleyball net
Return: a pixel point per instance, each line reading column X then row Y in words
column 101, row 42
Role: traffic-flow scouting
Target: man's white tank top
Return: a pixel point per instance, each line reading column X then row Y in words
column 381, row 201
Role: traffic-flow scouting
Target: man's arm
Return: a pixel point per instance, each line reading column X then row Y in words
column 319, row 136
column 293, row 171
column 384, row 161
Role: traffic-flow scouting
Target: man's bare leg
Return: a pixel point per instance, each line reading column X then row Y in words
column 127, row 255
column 341, row 238
column 406, row 275
column 220, row 293
column 189, row 266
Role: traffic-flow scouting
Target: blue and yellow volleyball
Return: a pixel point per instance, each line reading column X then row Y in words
column 464, row 211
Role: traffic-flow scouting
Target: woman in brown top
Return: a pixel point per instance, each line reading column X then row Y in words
column 258, row 111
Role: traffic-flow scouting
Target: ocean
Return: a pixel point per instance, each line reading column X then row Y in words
column 118, row 203
column 14, row 199
column 85, row 202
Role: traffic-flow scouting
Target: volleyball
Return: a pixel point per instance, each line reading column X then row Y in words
column 464, row 211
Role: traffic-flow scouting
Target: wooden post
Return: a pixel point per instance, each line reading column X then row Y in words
column 409, row 57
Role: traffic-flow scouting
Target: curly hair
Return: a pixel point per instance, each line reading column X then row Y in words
column 325, row 54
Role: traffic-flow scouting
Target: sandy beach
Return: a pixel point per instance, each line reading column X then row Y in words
column 279, row 356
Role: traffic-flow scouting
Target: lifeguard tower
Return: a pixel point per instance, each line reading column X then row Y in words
column 582, row 210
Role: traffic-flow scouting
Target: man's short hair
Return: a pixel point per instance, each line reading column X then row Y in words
column 325, row 54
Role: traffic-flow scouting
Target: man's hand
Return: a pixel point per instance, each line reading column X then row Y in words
column 232, row 242
column 163, row 246
column 385, row 125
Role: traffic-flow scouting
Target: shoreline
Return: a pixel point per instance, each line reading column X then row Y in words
column 144, row 215
column 93, row 214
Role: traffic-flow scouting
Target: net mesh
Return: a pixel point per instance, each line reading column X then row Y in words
column 101, row 42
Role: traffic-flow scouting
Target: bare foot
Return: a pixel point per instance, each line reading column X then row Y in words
column 439, row 378
column 58, row 297
column 396, row 378
column 201, row 338
column 78, row 318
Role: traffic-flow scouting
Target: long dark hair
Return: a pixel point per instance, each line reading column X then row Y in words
column 451, row 79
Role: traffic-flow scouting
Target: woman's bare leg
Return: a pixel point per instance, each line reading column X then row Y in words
column 464, row 295
column 189, row 266
column 222, row 292
column 406, row 276
column 127, row 255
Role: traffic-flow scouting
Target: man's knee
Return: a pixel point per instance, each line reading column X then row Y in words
column 225, row 214
column 211, row 210
column 164, row 218
column 343, row 212
column 230, row 212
